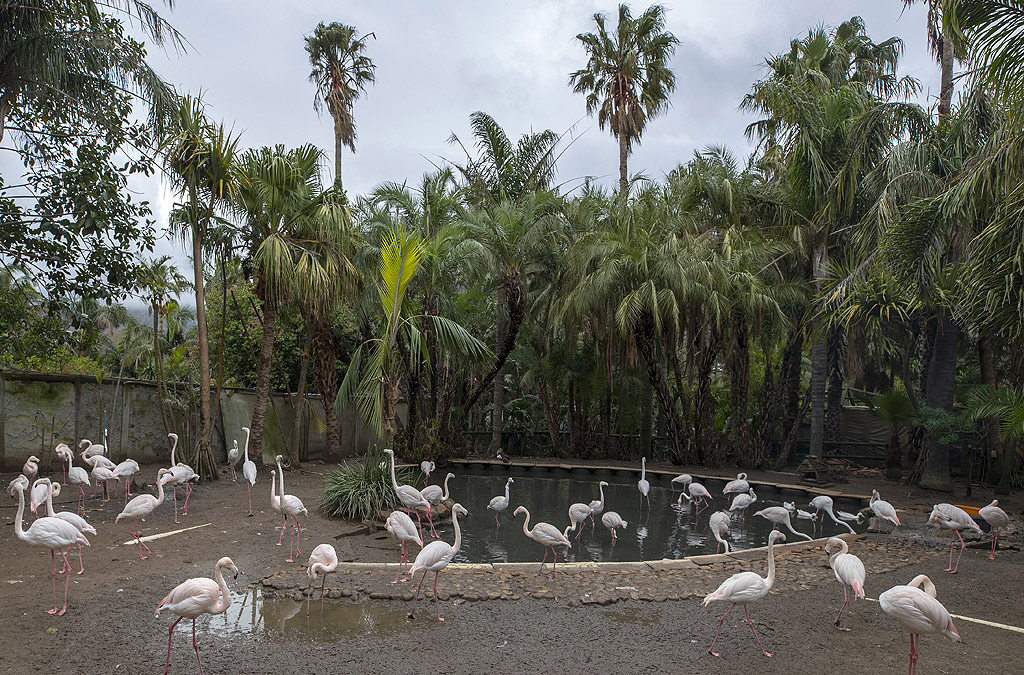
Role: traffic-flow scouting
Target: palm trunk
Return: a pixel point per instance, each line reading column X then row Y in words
column 259, row 413
column 704, row 404
column 946, row 81
column 497, row 409
column 156, row 367
column 646, row 415
column 819, row 362
column 739, row 386
column 766, row 417
column 941, row 382
column 623, row 175
column 647, row 347
column 988, row 377
column 836, row 345
column 337, row 153
column 326, row 377
column 299, row 400
column 204, row 464
column 550, row 414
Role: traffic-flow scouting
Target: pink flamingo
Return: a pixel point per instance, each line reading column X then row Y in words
column 37, row 496
column 824, row 503
column 141, row 506
column 643, row 485
column 950, row 517
column 697, row 494
column 126, row 470
column 546, row 534
column 499, row 504
column 63, row 451
column 741, row 501
column 195, row 597
column 849, row 571
column 719, row 525
column 101, row 474
column 323, row 560
column 743, row 589
column 997, row 519
column 682, row 480
column 90, row 449
column 291, row 507
column 81, row 524
column 434, row 557
column 182, row 475
column 612, row 520
column 234, row 454
column 918, row 612
column 578, row 514
column 738, row 486
column 249, row 469
column 884, row 511
column 597, row 505
column 78, row 476
column 54, row 534
column 410, row 497
column 780, row 516
column 400, row 525
column 31, row 467
column 434, row 495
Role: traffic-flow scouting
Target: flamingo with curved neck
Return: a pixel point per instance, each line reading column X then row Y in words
column 410, row 497
column 499, row 503
column 141, row 506
column 248, row 469
column 434, row 557
column 291, row 506
column 597, row 505
column 546, row 534
column 849, row 571
column 643, row 485
column 81, row 524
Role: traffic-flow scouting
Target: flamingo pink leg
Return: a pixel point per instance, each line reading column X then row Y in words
column 298, row 536
column 541, row 570
column 81, row 501
column 170, row 635
column 53, row 583
column 248, row 485
column 995, row 540
column 138, row 538
column 755, row 633
column 234, row 476
column 81, row 565
column 174, row 491
column 196, row 645
column 555, row 563
column 711, row 649
column 433, row 532
column 323, row 583
column 188, row 493
column 951, row 569
column 412, row 614
column 284, row 521
column 913, row 654
column 846, row 606
column 437, row 604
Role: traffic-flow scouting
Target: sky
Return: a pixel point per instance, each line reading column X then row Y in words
column 437, row 62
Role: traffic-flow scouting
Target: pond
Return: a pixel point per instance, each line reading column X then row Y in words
column 665, row 530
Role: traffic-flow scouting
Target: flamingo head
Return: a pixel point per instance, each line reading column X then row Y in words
column 228, row 563
column 760, row 513
column 510, row 481
column 519, row 509
column 459, row 509
column 83, row 442
column 389, row 451
column 279, row 458
column 776, row 536
column 55, row 489
column 173, row 436
column 832, row 544
column 20, row 484
column 603, row 483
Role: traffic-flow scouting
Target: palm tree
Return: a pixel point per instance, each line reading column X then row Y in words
column 627, row 80
column 341, row 73
column 945, row 47
column 161, row 283
column 993, row 30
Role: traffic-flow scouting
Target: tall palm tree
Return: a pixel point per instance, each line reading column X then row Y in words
column 341, row 73
column 627, row 80
column 161, row 284
column 993, row 29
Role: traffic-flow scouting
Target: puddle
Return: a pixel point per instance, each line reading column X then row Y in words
column 633, row 616
column 253, row 615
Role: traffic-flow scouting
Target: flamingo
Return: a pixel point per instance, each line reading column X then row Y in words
column 998, row 519
column 544, row 533
column 37, row 496
column 744, row 588
column 426, row 467
column 433, row 493
column 81, row 524
column 719, row 524
column 849, row 571
column 195, row 597
column 182, row 475
column 950, row 517
column 248, row 469
column 741, row 501
column 410, row 497
column 434, row 557
column 400, row 525
column 698, row 494
column 578, row 514
column 884, row 511
column 499, row 504
column 19, row 483
column 101, row 474
column 323, row 560
column 52, row 533
column 682, row 480
column 291, row 507
column 612, row 520
column 779, row 515
column 738, row 486
column 89, row 449
column 31, row 467
column 63, row 451
column 597, row 505
column 234, row 454
column 918, row 612
column 799, row 513
column 643, row 485
column 126, row 470
column 141, row 506
column 78, row 476
column 825, row 503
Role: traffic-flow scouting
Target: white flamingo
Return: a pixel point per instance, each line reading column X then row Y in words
column 799, row 513
column 126, row 470
column 780, row 516
column 323, row 560
column 741, row 501
column 719, row 525
column 426, row 467
column 78, row 476
column 400, row 525
column 918, row 612
column 52, row 533
column 234, row 454
column 90, row 449
column 997, row 519
column 248, row 469
column 81, row 524
column 434, row 494
column 100, row 474
column 738, row 486
column 141, row 506
column 849, row 571
column 37, row 495
column 698, row 494
column 744, row 588
column 291, row 507
column 546, row 534
column 578, row 514
column 63, row 451
column 434, row 557
column 950, row 517
column 195, row 597
column 499, row 504
column 182, row 474
column 825, row 503
column 682, row 480
column 643, row 485
column 597, row 505
column 613, row 520
column 31, row 467
column 410, row 497
column 884, row 511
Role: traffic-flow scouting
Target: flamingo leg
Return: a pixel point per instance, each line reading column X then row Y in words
column 541, row 570
column 496, row 523
column 419, row 521
column 309, row 595
column 846, row 606
column 249, row 485
column 81, row 565
column 913, row 654
column 412, row 614
column 298, row 536
column 138, row 538
column 555, row 562
column 234, row 476
column 749, row 623
column 196, row 645
column 995, row 540
column 323, row 583
column 170, row 634
column 81, row 501
column 284, row 521
column 174, row 491
column 711, row 649
column 53, row 581
column 433, row 532
column 437, row 605
column 401, row 561
column 188, row 493
column 962, row 545
column 291, row 541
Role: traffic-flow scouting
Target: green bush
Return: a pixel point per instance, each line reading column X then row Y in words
column 360, row 491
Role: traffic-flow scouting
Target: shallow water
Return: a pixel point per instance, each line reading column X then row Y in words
column 662, row 530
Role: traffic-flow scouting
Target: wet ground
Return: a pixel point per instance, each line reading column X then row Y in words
column 638, row 620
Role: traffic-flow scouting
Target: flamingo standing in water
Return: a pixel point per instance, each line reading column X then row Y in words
column 779, row 516
column 738, row 486
column 849, row 571
column 182, row 475
column 719, row 524
column 824, row 503
column 613, row 520
column 499, row 504
column 234, row 454
column 643, row 485
column 918, row 612
column 682, row 480
column 597, row 505
column 248, row 469
column 195, row 597
column 697, row 494
column 52, row 533
column 884, row 511
column 434, row 557
column 950, row 517
column 400, row 525
column 323, row 560
column 546, row 534
column 141, row 506
column 743, row 589
column 81, row 524
column 410, row 497
column 741, row 501
column 997, row 519
column 434, row 494
column 578, row 514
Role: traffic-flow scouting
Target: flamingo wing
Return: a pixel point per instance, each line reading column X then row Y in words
column 191, row 598
column 741, row 588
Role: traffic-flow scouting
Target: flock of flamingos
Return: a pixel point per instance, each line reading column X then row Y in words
column 914, row 606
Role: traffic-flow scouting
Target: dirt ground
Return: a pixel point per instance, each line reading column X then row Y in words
column 110, row 628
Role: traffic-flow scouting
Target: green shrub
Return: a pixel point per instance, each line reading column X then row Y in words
column 360, row 491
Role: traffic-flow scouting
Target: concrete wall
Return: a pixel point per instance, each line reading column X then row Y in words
column 39, row 410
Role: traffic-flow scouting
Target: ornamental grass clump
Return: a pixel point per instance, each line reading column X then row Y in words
column 361, row 491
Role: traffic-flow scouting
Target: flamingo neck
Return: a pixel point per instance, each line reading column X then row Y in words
column 17, row 517
column 225, row 594
column 247, row 433
column 174, row 444
column 49, row 501
column 394, row 480
column 507, row 485
column 444, row 497
column 600, row 489
column 770, row 579
column 273, row 489
column 526, row 523
column 458, row 532
column 159, row 493
column 643, row 468
column 280, row 475
column 841, row 551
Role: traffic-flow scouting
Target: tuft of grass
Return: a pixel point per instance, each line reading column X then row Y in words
column 362, row 491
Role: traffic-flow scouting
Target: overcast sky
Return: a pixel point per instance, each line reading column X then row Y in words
column 437, row 62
